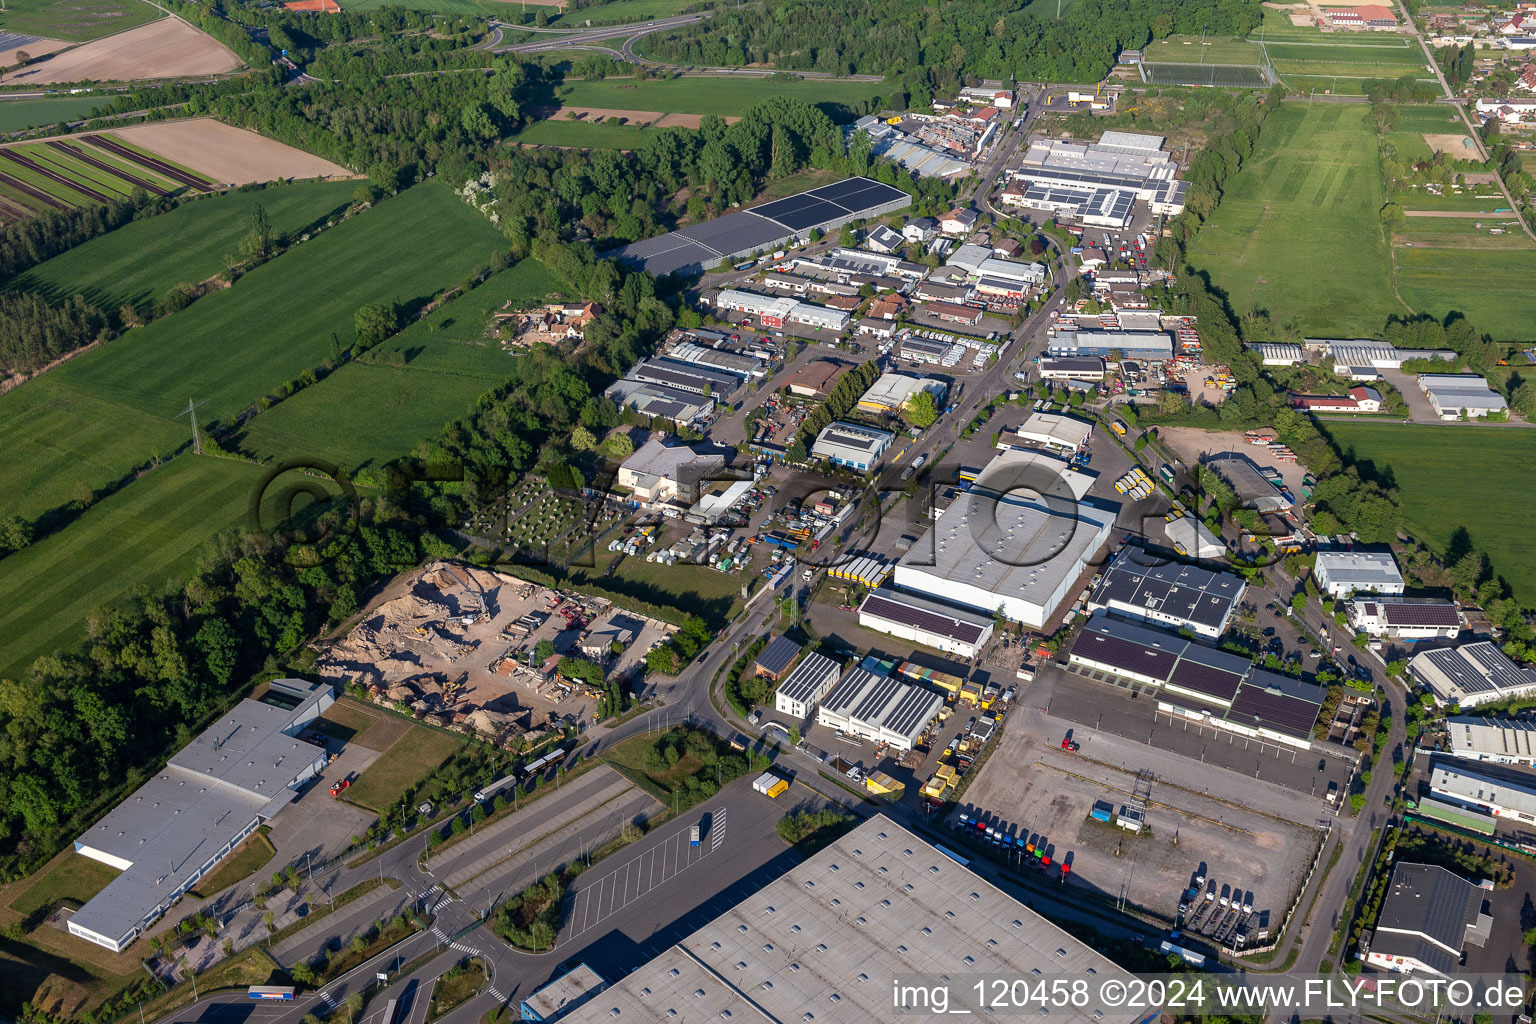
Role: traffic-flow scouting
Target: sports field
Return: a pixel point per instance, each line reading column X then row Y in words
column 18, row 114
column 367, row 413
column 1195, row 50
column 75, row 20
column 724, row 96
column 1429, row 464
column 1341, row 63
column 141, row 261
column 143, row 535
column 1298, row 232
column 115, row 406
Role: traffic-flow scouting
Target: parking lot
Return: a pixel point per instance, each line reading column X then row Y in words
column 1033, row 789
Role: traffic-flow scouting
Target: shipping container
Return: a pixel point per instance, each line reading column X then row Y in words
column 1102, row 812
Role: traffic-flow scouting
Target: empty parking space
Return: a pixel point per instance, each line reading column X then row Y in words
column 603, row 896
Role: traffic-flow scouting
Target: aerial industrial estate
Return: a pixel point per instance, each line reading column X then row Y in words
column 823, row 518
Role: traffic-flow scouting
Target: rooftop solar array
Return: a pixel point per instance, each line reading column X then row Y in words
column 1277, row 702
column 1138, row 580
column 775, row 658
column 1478, row 668
column 964, row 627
column 700, row 245
column 1435, row 613
column 810, row 678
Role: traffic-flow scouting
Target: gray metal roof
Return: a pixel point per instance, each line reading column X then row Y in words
column 685, row 376
column 1426, row 902
column 240, row 768
column 1478, row 670
column 1139, row 580
column 826, row 938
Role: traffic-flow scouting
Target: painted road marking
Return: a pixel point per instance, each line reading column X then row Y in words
column 624, row 885
column 718, row 830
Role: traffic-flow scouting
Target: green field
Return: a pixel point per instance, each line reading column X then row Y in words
column 1194, row 50
column 18, row 114
column 1485, row 277
column 1429, row 464
column 74, row 160
column 584, row 135
column 233, row 346
column 609, row 13
column 62, row 444
column 407, row 761
column 370, row 412
column 74, row 20
column 146, row 533
column 708, row 95
column 1298, row 232
column 139, row 262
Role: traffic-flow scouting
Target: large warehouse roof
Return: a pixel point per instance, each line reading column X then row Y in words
column 163, row 836
column 1139, row 583
column 935, row 617
column 1489, row 739
column 807, row 945
column 698, row 246
column 1472, row 674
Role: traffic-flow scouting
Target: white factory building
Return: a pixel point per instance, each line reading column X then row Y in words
column 1409, row 619
column 1193, row 539
column 880, row 709
column 1498, row 740
column 779, row 311
column 1504, row 792
column 852, row 445
column 1140, row 346
column 804, row 687
column 1014, row 544
column 1455, row 394
column 892, row 391
column 214, row 792
column 922, row 620
column 1055, row 432
column 1471, row 674
column 1344, row 573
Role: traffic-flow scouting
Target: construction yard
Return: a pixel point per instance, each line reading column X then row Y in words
column 458, row 646
column 1032, row 788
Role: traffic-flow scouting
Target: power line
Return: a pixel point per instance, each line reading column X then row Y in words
column 191, row 413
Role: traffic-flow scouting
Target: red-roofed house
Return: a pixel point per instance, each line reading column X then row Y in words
column 1527, row 79
column 1358, row 400
column 984, row 114
column 1371, row 16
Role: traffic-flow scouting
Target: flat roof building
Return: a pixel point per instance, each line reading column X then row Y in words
column 924, row 350
column 679, row 376
column 1201, row 683
column 1429, row 916
column 892, row 391
column 1404, row 618
column 852, row 445
column 699, row 247
column 1139, row 585
column 1142, row 346
column 779, row 311
column 1056, row 432
column 563, row 995
column 1471, row 674
column 657, row 400
column 816, row 378
column 1499, row 740
column 879, row 708
column 1343, row 573
column 1013, row 544
column 922, row 620
column 1504, row 792
column 740, row 364
column 800, row 692
column 211, row 795
column 1455, row 394
column 1080, row 368
column 1278, row 355
column 806, row 943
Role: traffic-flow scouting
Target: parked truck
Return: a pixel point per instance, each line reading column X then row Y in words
column 770, row 785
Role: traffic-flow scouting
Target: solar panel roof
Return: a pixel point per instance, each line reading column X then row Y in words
column 777, row 655
column 809, row 677
column 1279, row 703
column 735, row 232
column 1209, row 680
column 908, row 612
column 846, row 692
column 913, row 711
column 878, row 700
column 1432, row 614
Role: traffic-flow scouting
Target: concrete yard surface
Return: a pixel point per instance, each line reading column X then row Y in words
column 1031, row 789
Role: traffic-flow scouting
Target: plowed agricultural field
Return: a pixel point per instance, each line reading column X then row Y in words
column 225, row 153
column 168, row 48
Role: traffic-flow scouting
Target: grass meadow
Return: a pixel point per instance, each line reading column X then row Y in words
column 726, row 96
column 139, row 262
column 18, row 114
column 1428, row 464
column 233, row 346
column 146, row 533
column 370, row 412
column 408, row 760
column 77, row 20
column 1298, row 232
